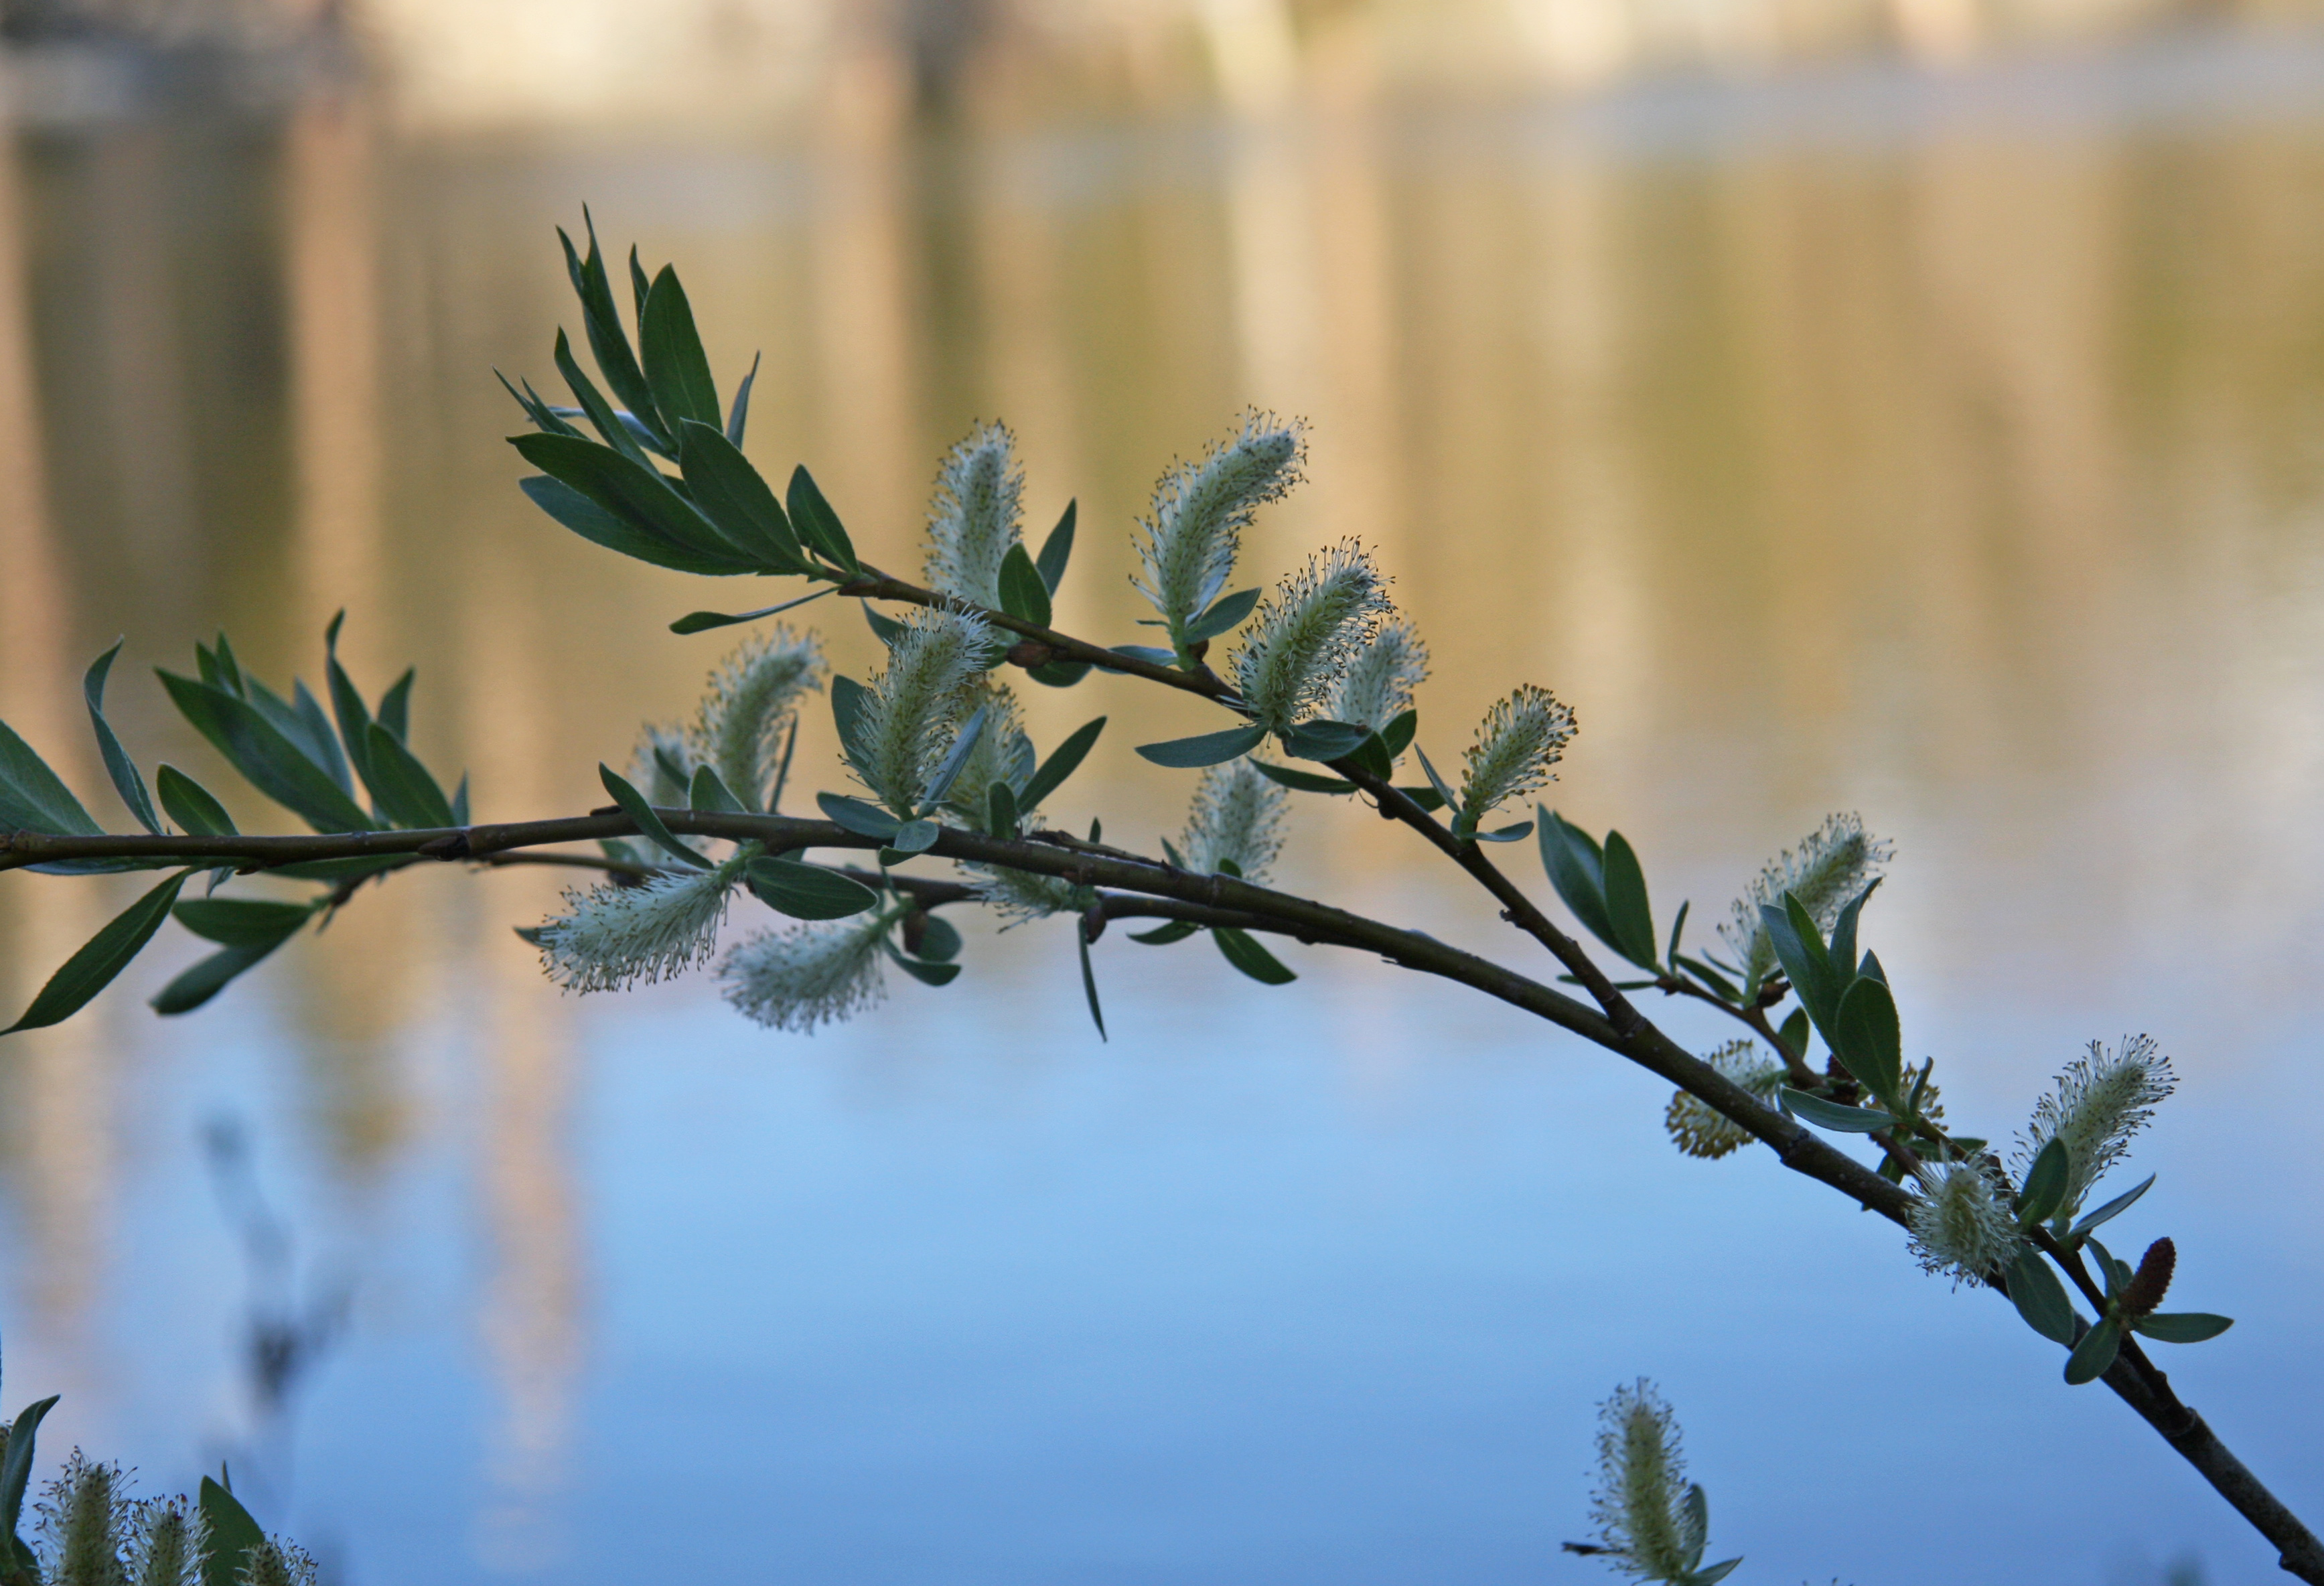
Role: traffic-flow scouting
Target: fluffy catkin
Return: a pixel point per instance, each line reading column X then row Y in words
column 1201, row 510
column 1961, row 1224
column 1520, row 738
column 613, row 937
column 82, row 1517
column 2101, row 1100
column 1237, row 815
column 1639, row 1503
column 809, row 975
column 976, row 515
column 1832, row 865
column 912, row 709
column 168, row 1543
column 1306, row 633
column 747, row 701
column 276, row 1560
column 1697, row 1128
column 1380, row 679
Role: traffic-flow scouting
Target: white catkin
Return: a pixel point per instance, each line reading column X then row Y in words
column 1237, row 814
column 277, row 1560
column 1832, row 865
column 1520, row 738
column 2101, row 1100
column 808, row 975
column 1305, row 633
column 1019, row 896
column 1202, row 508
column 1002, row 753
column 82, row 1517
column 912, row 709
column 747, row 703
column 168, row 1543
column 1380, row 679
column 1960, row 1222
column 976, row 515
column 1639, row 1501
column 1697, row 1128
column 615, row 936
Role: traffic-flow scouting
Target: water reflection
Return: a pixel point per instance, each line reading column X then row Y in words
column 1965, row 474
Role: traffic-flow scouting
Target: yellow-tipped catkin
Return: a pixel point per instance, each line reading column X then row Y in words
column 975, row 516
column 1520, row 738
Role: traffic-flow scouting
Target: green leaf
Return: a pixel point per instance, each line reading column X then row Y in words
column 1058, row 674
column 206, row 977
column 1627, row 908
column 272, row 763
column 1148, row 653
column 1443, row 789
column 705, row 791
column 734, row 496
column 1516, row 833
column 347, row 705
column 1205, row 748
column 1371, row 756
column 2183, row 1327
column 128, row 780
column 1678, row 929
column 607, row 340
column 2117, row 1274
column 1576, row 869
column 1303, row 782
column 395, row 706
column 1796, row 1033
column 1714, row 1573
column 865, row 820
column 190, row 805
column 1168, row 932
column 2113, row 1209
column 1245, row 954
column 949, row 770
column 1089, row 982
column 407, row 794
column 1226, row 615
column 232, row 1535
column 2041, row 1299
column 807, row 892
column 676, row 371
column 1698, row 1524
column 1064, row 761
column 1869, row 1041
column 818, row 525
column 637, row 495
column 1024, row 594
column 915, row 836
column 2045, row 1183
column 1397, row 736
column 641, row 816
column 2095, row 1353
column 1842, row 950
column 1057, row 549
column 243, row 922
column 1832, row 1115
column 32, row 798
column 1428, row 799
column 703, row 621
column 739, row 415
column 940, row 940
column 16, row 1466
column 927, row 973
column 624, row 432
column 1324, row 741
column 594, row 523
column 102, row 956
column 1800, row 949
column 1000, row 815
column 1719, row 985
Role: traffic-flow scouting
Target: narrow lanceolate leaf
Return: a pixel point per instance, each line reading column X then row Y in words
column 407, row 793
column 128, row 780
column 1843, row 930
column 1576, row 869
column 1089, row 983
column 32, row 798
column 1024, row 593
column 949, row 770
column 915, row 836
column 271, row 762
column 1800, row 949
column 676, row 371
column 1056, row 550
column 1324, row 741
column 2183, row 1327
column 1626, row 908
column 1832, row 1115
column 701, row 622
column 1204, row 749
column 1243, row 951
column 633, row 493
column 641, row 816
column 234, row 1536
column 1865, row 1035
column 920, row 969
column 1710, row 977
column 623, row 431
column 347, row 705
column 706, row 792
column 739, row 415
column 1064, row 761
column 1168, row 932
column 592, row 522
column 104, row 955
column 865, row 820
column 2041, row 1299
column 1225, row 614
column 1300, row 781
column 189, row 803
column 807, row 892
column 737, row 500
column 602, row 321
column 817, row 526
column 196, row 986
column 1516, row 834
column 1000, row 809
column 2045, row 1184
column 2095, row 1353
column 16, row 1467
column 243, row 922
column 2113, row 1208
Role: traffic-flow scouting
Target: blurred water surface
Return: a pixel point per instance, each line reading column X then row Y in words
column 1938, row 446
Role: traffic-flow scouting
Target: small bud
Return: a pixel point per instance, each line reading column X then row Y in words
column 975, row 516
column 1236, row 817
column 1832, row 865
column 2152, row 1281
column 1030, row 653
